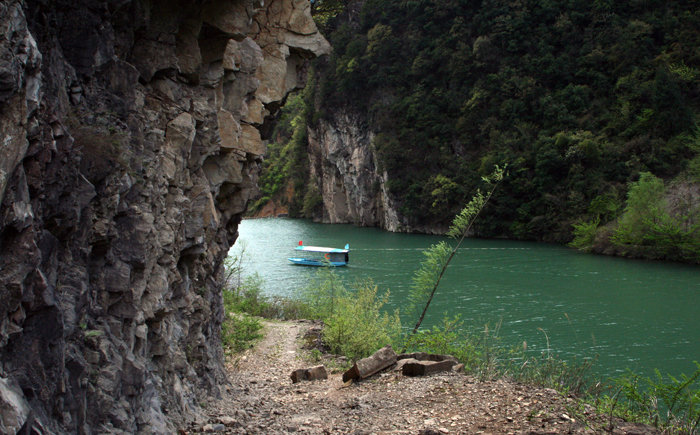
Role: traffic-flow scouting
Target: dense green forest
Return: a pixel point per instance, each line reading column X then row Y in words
column 592, row 104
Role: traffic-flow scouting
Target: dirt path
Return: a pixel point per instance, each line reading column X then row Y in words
column 262, row 399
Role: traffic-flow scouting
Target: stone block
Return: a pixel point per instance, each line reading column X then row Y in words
column 366, row 367
column 311, row 374
column 424, row 368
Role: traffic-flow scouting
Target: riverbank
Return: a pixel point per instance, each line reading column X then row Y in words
column 261, row 398
column 590, row 306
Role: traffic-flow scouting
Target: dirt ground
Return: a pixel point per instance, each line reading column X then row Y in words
column 261, row 399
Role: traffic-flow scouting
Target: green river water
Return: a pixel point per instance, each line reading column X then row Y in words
column 630, row 314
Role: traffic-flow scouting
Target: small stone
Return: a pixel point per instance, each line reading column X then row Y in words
column 227, row 421
column 209, row 428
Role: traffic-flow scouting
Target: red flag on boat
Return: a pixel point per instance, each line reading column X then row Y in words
column 300, row 244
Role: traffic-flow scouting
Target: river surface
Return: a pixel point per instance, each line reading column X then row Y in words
column 631, row 314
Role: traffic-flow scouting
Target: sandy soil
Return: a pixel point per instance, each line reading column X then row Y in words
column 261, row 399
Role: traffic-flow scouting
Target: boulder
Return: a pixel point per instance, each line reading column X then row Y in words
column 311, row 374
column 423, row 356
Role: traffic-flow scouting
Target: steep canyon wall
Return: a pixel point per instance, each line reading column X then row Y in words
column 132, row 136
column 352, row 185
column 344, row 164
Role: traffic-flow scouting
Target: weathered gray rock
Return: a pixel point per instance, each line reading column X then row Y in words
column 375, row 363
column 14, row 409
column 20, row 87
column 316, row 373
column 131, row 147
column 343, row 162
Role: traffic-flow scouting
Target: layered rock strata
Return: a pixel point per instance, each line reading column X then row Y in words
column 344, row 165
column 132, row 136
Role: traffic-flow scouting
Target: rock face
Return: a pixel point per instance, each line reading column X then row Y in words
column 343, row 162
column 132, row 136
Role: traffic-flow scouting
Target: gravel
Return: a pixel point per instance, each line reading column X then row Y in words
column 261, row 399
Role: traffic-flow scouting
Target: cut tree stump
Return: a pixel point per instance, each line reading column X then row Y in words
column 424, row 368
column 311, row 374
column 366, row 367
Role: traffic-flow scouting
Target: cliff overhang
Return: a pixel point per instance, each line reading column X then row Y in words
column 133, row 133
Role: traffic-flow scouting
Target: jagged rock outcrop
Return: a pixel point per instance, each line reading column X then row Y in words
column 343, row 166
column 343, row 162
column 132, row 136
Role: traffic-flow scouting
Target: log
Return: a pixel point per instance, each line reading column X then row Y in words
column 366, row 367
column 310, row 374
column 424, row 368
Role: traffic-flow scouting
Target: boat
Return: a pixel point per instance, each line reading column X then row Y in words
column 326, row 256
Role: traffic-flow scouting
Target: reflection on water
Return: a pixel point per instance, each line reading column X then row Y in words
column 631, row 314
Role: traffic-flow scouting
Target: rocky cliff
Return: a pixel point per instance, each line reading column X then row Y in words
column 343, row 162
column 353, row 187
column 132, row 136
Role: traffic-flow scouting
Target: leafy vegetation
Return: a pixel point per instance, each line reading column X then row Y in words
column 657, row 222
column 355, row 325
column 286, row 162
column 580, row 97
column 427, row 278
column 667, row 402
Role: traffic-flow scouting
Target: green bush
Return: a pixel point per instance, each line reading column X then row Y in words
column 651, row 227
column 247, row 297
column 239, row 332
column 584, row 235
column 355, row 325
column 668, row 403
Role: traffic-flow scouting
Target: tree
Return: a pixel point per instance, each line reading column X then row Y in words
column 427, row 278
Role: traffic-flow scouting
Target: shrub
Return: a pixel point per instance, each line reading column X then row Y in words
column 666, row 402
column 584, row 235
column 239, row 332
column 355, row 325
column 654, row 228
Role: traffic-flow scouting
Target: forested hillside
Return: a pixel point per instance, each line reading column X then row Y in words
column 586, row 101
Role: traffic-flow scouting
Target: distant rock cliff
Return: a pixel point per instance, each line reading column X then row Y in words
column 343, row 162
column 132, row 136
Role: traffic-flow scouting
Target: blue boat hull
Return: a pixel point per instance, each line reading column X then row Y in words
column 313, row 262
